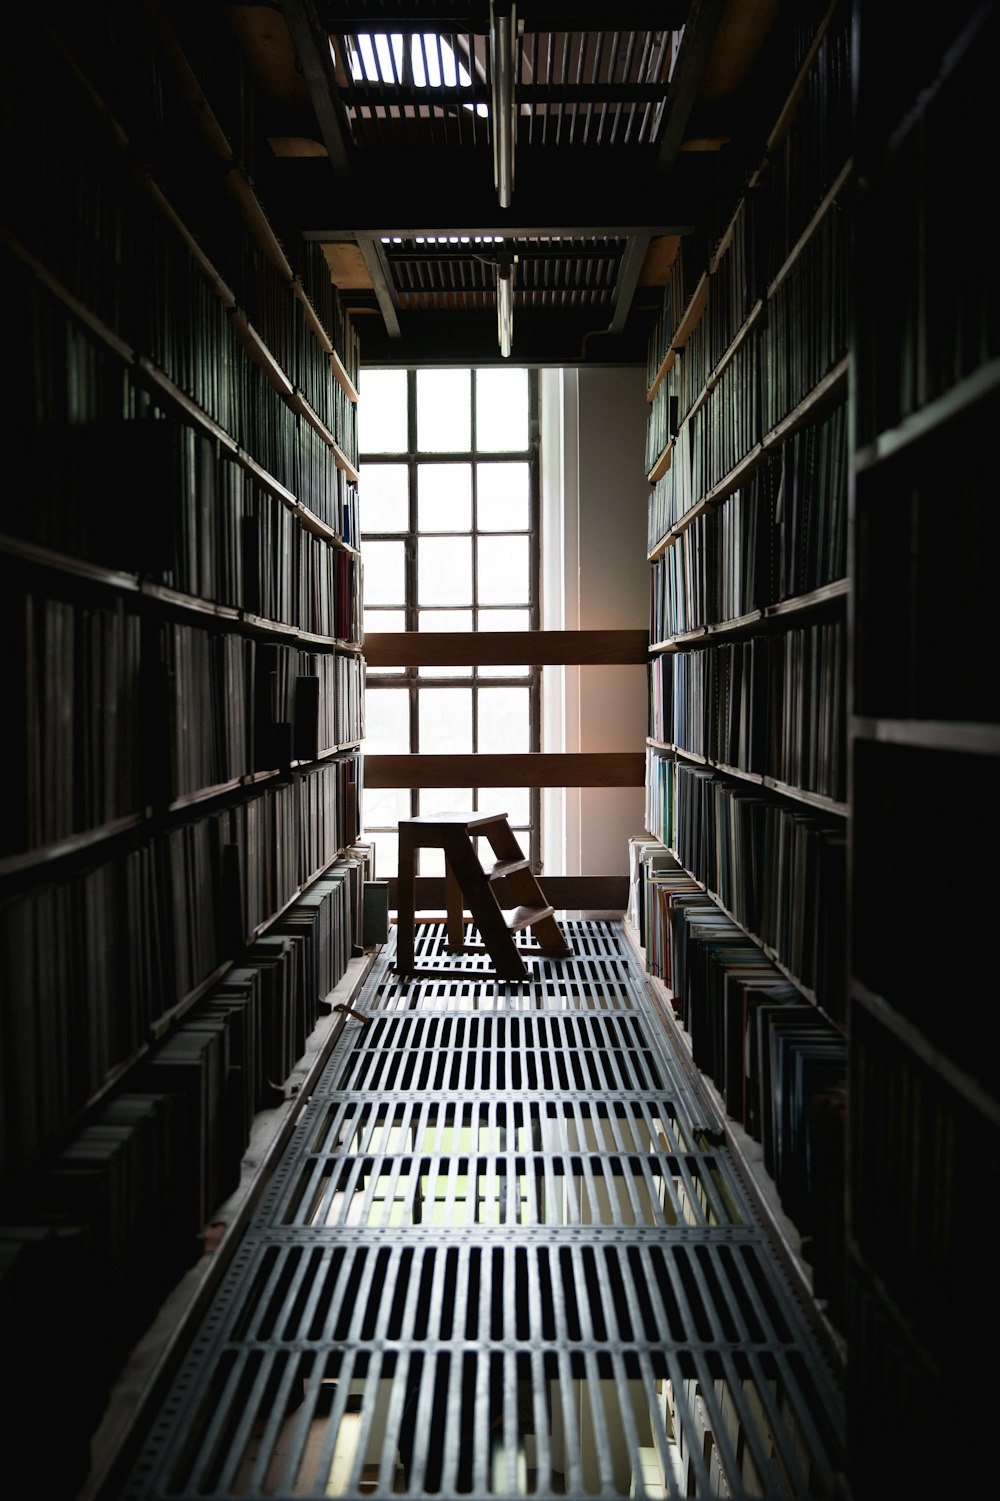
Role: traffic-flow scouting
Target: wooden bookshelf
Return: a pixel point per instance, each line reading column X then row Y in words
column 924, row 741
column 181, row 877
column 747, row 751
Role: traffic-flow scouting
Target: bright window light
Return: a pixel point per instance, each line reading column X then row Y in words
column 433, row 64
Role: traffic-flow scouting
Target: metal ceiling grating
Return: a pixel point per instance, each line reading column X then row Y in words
column 501, row 1256
column 406, row 80
column 460, row 272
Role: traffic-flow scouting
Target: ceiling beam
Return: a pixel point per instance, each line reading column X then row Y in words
column 548, row 15
column 433, row 193
column 631, row 264
column 377, row 266
column 696, row 45
column 312, row 48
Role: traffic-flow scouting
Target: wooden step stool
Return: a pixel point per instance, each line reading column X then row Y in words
column 467, row 884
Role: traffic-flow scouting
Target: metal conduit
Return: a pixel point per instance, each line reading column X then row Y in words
column 504, row 1254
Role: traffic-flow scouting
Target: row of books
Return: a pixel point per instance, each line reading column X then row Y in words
column 806, row 331
column 801, row 167
column 113, row 716
column 686, row 269
column 736, row 283
column 236, row 706
column 908, row 665
column 780, row 535
column 75, row 708
column 779, row 362
column 934, row 319
column 774, row 705
column 88, row 425
column 96, row 1242
column 95, row 958
column 936, row 1154
column 138, row 274
column 776, row 1060
column 777, row 867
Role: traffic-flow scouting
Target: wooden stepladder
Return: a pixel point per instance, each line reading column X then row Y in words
column 468, row 885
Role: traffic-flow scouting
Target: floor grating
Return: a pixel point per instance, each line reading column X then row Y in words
column 501, row 1256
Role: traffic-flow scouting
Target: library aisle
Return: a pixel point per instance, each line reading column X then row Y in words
column 504, row 1253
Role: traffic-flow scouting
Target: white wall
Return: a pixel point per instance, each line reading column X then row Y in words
column 594, row 577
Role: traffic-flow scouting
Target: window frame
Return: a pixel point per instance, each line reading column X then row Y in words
column 416, row 678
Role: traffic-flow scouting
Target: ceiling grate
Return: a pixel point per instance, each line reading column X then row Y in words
column 500, row 1256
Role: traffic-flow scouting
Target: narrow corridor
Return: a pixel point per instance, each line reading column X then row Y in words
column 503, row 1254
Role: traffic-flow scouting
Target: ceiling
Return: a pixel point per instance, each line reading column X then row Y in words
column 378, row 121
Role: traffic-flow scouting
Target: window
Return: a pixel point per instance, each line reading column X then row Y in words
column 449, row 485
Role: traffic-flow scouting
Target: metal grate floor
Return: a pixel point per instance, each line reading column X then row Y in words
column 502, row 1255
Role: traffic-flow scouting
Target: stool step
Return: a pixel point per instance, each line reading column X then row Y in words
column 467, row 883
column 524, row 917
column 505, row 868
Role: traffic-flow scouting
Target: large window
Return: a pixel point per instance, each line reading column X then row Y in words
column 449, row 485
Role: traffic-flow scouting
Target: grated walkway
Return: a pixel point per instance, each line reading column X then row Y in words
column 502, row 1255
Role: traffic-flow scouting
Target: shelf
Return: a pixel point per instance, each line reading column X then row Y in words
column 787, row 790
column 964, row 1085
column 826, row 203
column 43, row 557
column 787, row 113
column 39, row 860
column 683, row 332
column 254, row 344
column 764, row 948
column 956, row 402
column 72, row 844
column 241, row 189
column 801, row 604
column 190, row 604
column 950, row 60
column 662, row 464
column 929, row 734
column 831, row 388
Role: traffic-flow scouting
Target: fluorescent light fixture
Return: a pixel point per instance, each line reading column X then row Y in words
column 503, row 30
column 505, row 301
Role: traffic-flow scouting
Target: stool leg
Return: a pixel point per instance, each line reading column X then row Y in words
column 455, row 905
column 405, row 901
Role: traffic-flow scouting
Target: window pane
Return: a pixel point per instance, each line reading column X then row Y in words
column 502, row 497
column 444, row 571
column 444, row 497
column 386, row 855
column 445, row 620
column 430, row 862
column 445, row 721
column 387, row 722
column 444, row 411
column 386, row 806
column 386, row 506
column 385, row 573
column 385, row 620
column 438, row 800
column 502, row 410
column 502, row 570
column 382, row 411
column 514, row 801
column 503, row 720
column 504, row 620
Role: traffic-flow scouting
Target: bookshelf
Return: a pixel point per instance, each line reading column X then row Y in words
column 740, row 883
column 924, row 733
column 181, row 875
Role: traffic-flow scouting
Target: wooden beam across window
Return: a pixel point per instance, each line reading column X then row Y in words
column 603, row 893
column 532, row 769
column 501, row 648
